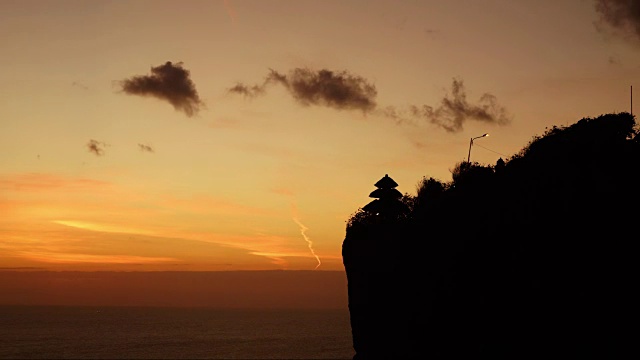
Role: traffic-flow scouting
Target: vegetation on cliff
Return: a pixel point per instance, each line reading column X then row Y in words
column 530, row 255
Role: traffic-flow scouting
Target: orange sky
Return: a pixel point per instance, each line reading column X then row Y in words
column 220, row 289
column 265, row 182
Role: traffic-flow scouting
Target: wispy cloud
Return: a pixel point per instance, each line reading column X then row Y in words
column 56, row 215
column 334, row 89
column 248, row 91
column 145, row 148
column 96, row 147
column 101, row 227
column 432, row 32
column 80, row 85
column 66, row 258
column 454, row 110
column 276, row 248
column 614, row 60
column 621, row 17
column 40, row 182
column 343, row 90
column 397, row 115
column 170, row 82
column 231, row 11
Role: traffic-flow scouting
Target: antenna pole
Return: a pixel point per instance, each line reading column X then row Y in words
column 631, row 100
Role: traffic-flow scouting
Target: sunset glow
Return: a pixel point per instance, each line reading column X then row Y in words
column 176, row 135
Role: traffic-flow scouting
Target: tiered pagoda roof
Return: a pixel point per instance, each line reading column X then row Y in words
column 387, row 197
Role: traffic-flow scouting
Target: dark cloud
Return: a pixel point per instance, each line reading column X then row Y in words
column 248, row 91
column 432, row 32
column 96, row 147
column 341, row 90
column 170, row 82
column 146, row 148
column 620, row 16
column 338, row 90
column 454, row 110
column 257, row 90
column 614, row 60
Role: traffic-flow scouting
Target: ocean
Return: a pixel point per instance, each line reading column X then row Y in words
column 68, row 332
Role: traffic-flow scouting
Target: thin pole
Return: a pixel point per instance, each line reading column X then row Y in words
column 631, row 100
column 470, row 143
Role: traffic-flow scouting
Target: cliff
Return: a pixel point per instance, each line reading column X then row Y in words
column 526, row 258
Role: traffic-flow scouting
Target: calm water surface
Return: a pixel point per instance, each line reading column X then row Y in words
column 29, row 332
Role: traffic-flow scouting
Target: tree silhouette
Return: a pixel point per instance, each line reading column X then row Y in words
column 525, row 258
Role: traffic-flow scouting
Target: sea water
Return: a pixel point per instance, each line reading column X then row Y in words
column 58, row 332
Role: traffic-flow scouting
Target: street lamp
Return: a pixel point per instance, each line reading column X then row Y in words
column 471, row 143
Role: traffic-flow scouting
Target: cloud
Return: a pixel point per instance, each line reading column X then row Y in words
column 432, row 32
column 614, row 60
column 621, row 16
column 399, row 116
column 342, row 90
column 339, row 90
column 454, row 110
column 170, row 82
column 146, row 148
column 80, row 85
column 65, row 258
column 96, row 147
column 248, row 91
column 45, row 182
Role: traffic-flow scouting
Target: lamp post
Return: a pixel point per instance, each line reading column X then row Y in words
column 471, row 143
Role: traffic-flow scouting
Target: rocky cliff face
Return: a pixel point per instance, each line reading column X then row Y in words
column 381, row 309
column 377, row 317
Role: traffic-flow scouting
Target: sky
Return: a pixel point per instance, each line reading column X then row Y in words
column 241, row 135
column 259, row 289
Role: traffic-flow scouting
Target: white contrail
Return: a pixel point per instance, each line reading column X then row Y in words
column 231, row 11
column 303, row 232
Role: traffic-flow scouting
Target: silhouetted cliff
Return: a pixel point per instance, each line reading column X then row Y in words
column 526, row 258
